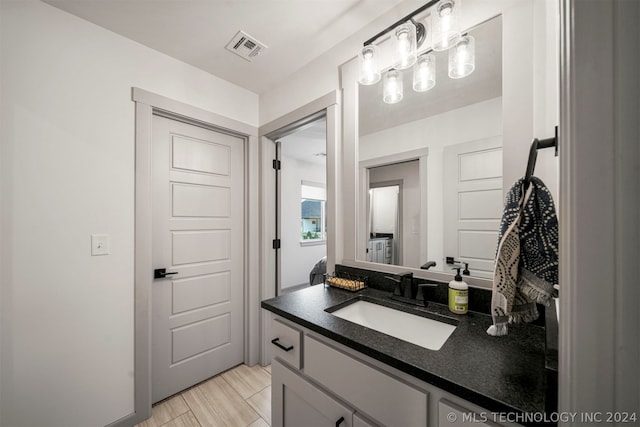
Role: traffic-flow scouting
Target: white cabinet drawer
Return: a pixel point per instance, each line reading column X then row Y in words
column 286, row 343
column 359, row 421
column 383, row 398
column 452, row 415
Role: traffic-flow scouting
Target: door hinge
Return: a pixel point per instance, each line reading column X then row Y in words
column 276, row 243
column 276, row 164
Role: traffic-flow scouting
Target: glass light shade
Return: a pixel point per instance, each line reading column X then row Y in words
column 445, row 24
column 462, row 58
column 369, row 71
column 392, row 87
column 424, row 73
column 404, row 49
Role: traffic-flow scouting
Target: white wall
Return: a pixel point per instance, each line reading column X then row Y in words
column 67, row 165
column 297, row 261
column 532, row 79
column 469, row 123
column 546, row 89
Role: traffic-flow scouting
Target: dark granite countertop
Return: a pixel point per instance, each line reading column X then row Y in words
column 500, row 374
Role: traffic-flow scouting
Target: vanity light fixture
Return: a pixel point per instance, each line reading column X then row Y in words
column 446, row 28
column 392, row 90
column 424, row 73
column 369, row 71
column 462, row 58
column 407, row 36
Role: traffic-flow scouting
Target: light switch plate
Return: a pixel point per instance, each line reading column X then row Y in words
column 100, row 244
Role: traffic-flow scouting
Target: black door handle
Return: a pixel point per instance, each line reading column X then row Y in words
column 160, row 273
column 339, row 421
column 277, row 344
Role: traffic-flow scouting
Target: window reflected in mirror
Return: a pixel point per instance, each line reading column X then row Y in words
column 313, row 218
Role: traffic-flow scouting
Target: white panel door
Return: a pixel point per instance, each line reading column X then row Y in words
column 198, row 233
column 473, row 203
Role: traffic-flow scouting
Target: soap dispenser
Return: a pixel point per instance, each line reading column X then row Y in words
column 458, row 294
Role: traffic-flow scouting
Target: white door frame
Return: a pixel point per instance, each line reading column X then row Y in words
column 397, row 253
column 273, row 141
column 330, row 105
column 598, row 368
column 147, row 104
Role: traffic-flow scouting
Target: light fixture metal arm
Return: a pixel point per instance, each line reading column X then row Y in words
column 401, row 21
column 421, row 32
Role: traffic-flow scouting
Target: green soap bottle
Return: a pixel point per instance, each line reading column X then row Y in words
column 458, row 295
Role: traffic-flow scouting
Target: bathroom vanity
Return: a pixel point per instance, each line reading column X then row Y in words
column 380, row 250
column 330, row 371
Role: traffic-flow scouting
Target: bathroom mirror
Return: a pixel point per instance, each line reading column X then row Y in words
column 431, row 165
column 440, row 162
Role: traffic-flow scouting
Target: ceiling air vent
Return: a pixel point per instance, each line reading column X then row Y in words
column 245, row 46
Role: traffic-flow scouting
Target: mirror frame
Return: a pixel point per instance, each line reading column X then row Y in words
column 518, row 121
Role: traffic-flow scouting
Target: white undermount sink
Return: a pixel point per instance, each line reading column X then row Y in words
column 422, row 331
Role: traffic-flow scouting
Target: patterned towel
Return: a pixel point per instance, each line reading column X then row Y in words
column 527, row 256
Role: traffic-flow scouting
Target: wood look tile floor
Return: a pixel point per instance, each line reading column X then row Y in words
column 239, row 397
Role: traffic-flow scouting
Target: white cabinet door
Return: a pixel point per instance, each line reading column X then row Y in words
column 388, row 251
column 296, row 402
column 452, row 415
column 379, row 251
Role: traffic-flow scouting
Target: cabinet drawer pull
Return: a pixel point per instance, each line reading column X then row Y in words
column 339, row 421
column 277, row 344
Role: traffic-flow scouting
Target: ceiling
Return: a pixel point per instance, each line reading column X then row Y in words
column 308, row 143
column 197, row 31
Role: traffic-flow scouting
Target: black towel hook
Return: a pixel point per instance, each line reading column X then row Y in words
column 536, row 145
